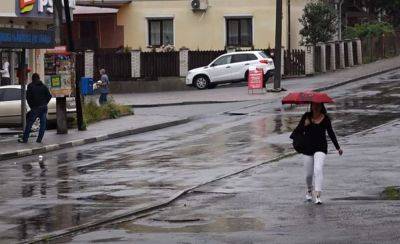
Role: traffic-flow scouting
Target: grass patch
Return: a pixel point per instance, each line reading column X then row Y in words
column 391, row 193
column 94, row 113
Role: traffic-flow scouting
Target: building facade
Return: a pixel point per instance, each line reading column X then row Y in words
column 218, row 24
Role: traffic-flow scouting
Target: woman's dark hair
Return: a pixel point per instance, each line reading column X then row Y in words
column 323, row 109
column 35, row 78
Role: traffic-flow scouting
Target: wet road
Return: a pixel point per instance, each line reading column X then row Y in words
column 106, row 179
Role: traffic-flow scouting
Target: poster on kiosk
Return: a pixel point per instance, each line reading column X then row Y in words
column 59, row 71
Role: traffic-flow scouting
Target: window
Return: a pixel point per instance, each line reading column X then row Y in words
column 161, row 32
column 239, row 32
column 11, row 94
column 243, row 58
column 222, row 60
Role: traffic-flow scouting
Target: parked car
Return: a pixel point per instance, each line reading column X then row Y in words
column 10, row 107
column 230, row 67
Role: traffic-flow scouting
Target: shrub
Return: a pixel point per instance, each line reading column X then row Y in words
column 111, row 110
column 368, row 30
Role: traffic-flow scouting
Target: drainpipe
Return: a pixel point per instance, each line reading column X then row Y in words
column 289, row 34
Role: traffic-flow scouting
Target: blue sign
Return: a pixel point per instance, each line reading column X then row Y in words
column 26, row 38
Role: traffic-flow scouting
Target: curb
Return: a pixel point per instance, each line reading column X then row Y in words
column 80, row 142
column 186, row 103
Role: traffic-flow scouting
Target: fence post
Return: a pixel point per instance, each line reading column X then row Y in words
column 309, row 65
column 359, row 51
column 333, row 55
column 135, row 63
column 323, row 56
column 89, row 63
column 183, row 62
column 341, row 54
column 350, row 52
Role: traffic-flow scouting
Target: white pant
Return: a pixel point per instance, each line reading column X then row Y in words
column 313, row 166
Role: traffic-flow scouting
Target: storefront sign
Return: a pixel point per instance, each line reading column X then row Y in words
column 26, row 38
column 255, row 78
column 38, row 8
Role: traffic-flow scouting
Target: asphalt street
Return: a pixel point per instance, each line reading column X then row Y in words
column 103, row 180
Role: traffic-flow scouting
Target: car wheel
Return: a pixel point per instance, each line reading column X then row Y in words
column 246, row 76
column 201, row 82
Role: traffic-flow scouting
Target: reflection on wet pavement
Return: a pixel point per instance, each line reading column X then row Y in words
column 106, row 179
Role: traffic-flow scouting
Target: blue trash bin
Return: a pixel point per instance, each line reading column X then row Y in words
column 86, row 86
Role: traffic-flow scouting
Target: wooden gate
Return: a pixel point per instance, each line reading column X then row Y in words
column 159, row 64
column 117, row 65
column 294, row 62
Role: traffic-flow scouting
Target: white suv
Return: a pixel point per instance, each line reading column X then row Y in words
column 230, row 67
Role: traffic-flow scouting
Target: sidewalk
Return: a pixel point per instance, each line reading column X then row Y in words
column 234, row 94
column 108, row 129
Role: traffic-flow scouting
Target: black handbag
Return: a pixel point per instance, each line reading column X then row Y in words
column 298, row 143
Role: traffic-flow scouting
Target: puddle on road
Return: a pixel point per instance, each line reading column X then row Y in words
column 219, row 225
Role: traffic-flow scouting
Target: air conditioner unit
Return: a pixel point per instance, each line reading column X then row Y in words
column 199, row 5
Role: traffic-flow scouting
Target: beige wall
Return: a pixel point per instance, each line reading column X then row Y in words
column 7, row 8
column 206, row 30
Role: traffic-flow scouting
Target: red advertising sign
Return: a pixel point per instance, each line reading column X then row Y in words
column 255, row 79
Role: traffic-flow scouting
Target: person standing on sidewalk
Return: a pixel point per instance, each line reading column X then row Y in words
column 5, row 73
column 37, row 96
column 104, row 87
column 314, row 125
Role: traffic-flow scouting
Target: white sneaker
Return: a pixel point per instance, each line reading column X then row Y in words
column 318, row 200
column 308, row 197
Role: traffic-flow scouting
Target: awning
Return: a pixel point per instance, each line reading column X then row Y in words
column 103, row 3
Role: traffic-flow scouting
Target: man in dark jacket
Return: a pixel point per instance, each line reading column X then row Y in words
column 37, row 96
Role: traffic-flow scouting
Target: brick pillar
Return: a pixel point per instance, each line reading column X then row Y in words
column 183, row 62
column 89, row 63
column 135, row 63
column 309, row 60
column 341, row 55
column 332, row 46
column 323, row 56
column 359, row 52
column 350, row 51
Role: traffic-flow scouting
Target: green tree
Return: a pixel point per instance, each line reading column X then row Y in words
column 319, row 22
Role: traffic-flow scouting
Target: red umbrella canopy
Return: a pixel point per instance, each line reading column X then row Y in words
column 306, row 97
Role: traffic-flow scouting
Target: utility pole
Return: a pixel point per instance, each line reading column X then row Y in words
column 278, row 47
column 22, row 80
column 71, row 48
column 61, row 102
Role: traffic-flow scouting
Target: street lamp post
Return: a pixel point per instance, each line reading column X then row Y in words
column 278, row 47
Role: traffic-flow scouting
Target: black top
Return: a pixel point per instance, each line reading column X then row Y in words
column 37, row 95
column 315, row 135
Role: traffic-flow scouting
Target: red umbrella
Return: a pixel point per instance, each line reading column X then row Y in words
column 306, row 97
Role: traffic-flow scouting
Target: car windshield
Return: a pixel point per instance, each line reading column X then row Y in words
column 263, row 54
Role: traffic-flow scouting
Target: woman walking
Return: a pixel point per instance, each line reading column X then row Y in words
column 314, row 125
